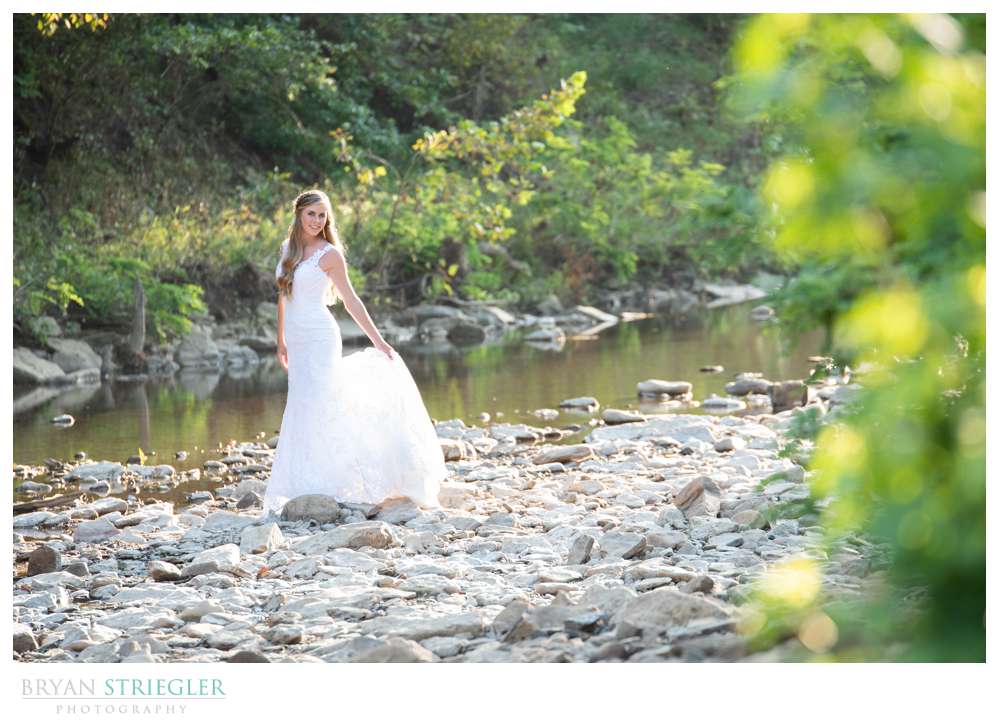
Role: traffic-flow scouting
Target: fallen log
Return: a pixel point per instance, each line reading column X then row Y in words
column 59, row 500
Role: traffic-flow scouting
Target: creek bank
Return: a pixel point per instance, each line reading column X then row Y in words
column 238, row 346
column 636, row 544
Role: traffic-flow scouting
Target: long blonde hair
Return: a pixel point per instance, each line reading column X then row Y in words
column 296, row 235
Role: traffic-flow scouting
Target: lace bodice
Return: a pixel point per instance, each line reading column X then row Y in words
column 311, row 286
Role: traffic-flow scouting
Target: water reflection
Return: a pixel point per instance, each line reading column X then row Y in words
column 197, row 410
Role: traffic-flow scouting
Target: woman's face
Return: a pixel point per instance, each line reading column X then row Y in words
column 314, row 217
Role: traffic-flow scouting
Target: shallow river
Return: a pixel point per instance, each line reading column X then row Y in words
column 195, row 411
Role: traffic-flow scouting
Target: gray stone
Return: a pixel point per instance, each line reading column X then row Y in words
column 563, row 454
column 320, row 508
column 579, row 552
column 24, row 639
column 102, row 470
column 249, row 500
column 589, row 404
column 197, row 349
column 622, row 545
column 424, row 627
column 729, row 444
column 163, row 571
column 395, row 650
column 788, row 394
column 654, row 612
column 93, row 531
column 613, row 416
column 224, row 520
column 397, row 511
column 663, row 388
column 285, row 634
column 43, row 560
column 375, row 534
column 261, row 538
column 73, row 354
column 745, row 385
column 29, row 368
column 700, row 497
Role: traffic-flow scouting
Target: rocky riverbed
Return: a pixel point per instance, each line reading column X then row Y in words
column 633, row 545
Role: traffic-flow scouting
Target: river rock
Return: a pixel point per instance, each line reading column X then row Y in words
column 424, row 627
column 43, row 559
column 466, row 333
column 589, row 404
column 655, row 612
column 319, row 508
column 220, row 558
column 24, row 639
column 73, row 354
column 197, row 349
column 563, row 454
column 92, row 531
column 714, row 403
column 30, row 368
column 163, row 571
column 394, row 650
column 729, row 444
column 397, row 511
column 622, row 545
column 103, row 470
column 612, row 416
column 748, row 385
column 261, row 538
column 375, row 534
column 579, row 552
column 285, row 634
column 700, row 497
column 456, row 449
column 788, row 394
column 663, row 388
column 250, row 499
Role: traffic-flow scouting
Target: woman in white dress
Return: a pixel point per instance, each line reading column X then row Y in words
column 355, row 427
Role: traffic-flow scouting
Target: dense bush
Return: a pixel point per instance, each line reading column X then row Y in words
column 882, row 190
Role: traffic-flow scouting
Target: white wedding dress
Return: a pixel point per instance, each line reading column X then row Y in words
column 354, row 427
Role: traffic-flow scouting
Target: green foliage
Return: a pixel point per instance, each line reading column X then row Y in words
column 180, row 139
column 882, row 192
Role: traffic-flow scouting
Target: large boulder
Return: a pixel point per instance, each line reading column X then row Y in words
column 29, row 368
column 197, row 349
column 73, row 354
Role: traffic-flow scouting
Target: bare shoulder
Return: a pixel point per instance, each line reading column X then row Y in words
column 331, row 258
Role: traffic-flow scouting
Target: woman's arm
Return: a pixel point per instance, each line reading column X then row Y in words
column 335, row 266
column 282, row 349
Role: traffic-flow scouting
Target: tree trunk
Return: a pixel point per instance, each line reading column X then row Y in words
column 137, row 335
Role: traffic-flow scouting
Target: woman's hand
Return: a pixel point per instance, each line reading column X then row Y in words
column 383, row 346
column 283, row 355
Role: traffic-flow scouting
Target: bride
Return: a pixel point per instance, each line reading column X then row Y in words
column 354, row 427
